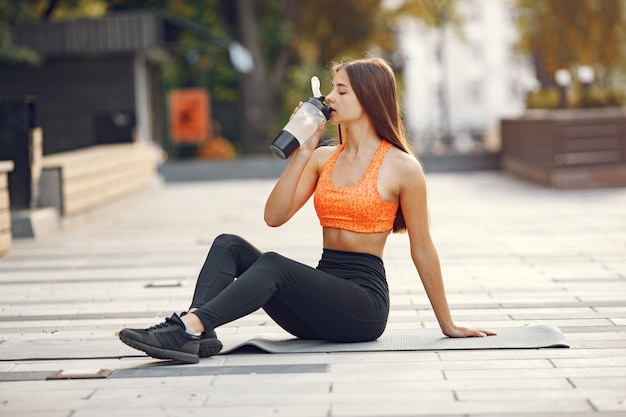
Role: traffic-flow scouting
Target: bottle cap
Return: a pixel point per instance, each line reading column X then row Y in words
column 319, row 103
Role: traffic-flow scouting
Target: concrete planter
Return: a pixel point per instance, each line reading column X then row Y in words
column 567, row 148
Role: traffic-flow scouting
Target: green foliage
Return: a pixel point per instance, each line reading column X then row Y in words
column 327, row 30
column 276, row 31
column 548, row 98
column 15, row 12
column 12, row 54
column 435, row 13
column 298, row 80
column 294, row 39
column 199, row 60
column 566, row 33
column 11, row 13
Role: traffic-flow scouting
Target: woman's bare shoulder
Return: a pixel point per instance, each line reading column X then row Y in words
column 405, row 164
column 322, row 153
column 327, row 149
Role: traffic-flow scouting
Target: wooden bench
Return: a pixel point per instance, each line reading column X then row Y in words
column 6, row 238
column 76, row 181
column 567, row 148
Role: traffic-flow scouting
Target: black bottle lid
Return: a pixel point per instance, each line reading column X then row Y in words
column 319, row 103
column 284, row 145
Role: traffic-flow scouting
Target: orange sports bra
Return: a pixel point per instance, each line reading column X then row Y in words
column 358, row 207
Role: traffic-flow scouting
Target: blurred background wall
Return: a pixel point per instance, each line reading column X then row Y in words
column 462, row 64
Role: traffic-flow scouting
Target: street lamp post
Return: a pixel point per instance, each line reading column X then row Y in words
column 563, row 80
column 586, row 77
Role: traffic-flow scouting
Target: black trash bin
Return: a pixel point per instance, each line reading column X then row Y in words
column 17, row 121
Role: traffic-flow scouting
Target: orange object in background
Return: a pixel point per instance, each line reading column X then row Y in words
column 190, row 120
column 217, row 147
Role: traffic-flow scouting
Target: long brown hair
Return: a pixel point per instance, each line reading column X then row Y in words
column 374, row 84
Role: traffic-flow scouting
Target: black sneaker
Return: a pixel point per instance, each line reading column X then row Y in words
column 167, row 340
column 209, row 343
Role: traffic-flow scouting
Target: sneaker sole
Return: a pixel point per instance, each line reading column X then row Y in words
column 159, row 353
column 209, row 347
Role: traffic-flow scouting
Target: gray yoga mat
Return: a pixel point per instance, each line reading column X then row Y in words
column 534, row 337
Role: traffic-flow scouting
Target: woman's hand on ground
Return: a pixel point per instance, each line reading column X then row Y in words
column 457, row 331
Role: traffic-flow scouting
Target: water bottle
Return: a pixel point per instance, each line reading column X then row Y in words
column 302, row 125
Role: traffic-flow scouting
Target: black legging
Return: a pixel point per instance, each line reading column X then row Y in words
column 344, row 299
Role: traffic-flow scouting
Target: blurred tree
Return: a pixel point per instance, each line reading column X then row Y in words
column 435, row 13
column 566, row 34
column 289, row 40
column 71, row 9
column 198, row 60
column 264, row 28
column 14, row 12
column 322, row 38
column 326, row 30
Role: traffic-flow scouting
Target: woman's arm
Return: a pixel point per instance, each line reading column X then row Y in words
column 413, row 200
column 296, row 184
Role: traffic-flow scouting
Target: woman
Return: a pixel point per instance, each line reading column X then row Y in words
column 366, row 187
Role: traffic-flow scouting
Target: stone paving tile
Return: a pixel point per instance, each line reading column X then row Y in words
column 483, row 355
column 564, row 414
column 49, row 400
column 524, row 323
column 609, row 404
column 605, row 382
column 419, row 406
column 148, row 397
column 513, row 254
column 398, row 368
column 607, row 344
column 598, row 336
column 618, row 360
column 493, row 387
column 614, row 309
column 308, row 410
column 246, row 382
column 542, row 394
column 124, row 363
column 588, row 372
column 331, row 358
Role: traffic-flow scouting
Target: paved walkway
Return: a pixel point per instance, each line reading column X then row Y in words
column 513, row 254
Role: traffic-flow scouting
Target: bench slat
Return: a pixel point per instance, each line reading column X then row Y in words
column 99, row 174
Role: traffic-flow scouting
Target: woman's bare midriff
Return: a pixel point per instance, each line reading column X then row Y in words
column 347, row 241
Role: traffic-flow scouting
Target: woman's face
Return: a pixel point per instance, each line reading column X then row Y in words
column 342, row 100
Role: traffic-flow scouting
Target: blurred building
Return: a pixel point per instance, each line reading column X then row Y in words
column 459, row 83
column 99, row 82
column 85, row 126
